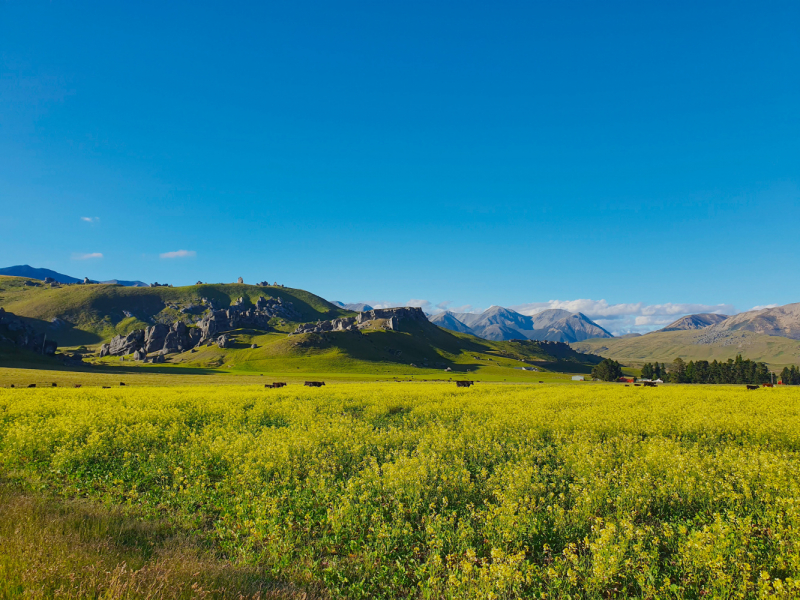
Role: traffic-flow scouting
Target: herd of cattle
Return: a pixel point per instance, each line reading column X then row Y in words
column 465, row 384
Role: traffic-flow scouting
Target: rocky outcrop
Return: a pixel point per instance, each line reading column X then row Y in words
column 123, row 344
column 345, row 324
column 167, row 339
column 241, row 315
column 24, row 336
column 154, row 337
column 392, row 319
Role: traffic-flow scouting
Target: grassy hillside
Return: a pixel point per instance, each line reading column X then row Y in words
column 92, row 314
column 95, row 313
column 666, row 346
column 420, row 352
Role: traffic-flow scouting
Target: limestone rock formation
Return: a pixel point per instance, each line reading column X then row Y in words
column 178, row 337
column 345, row 324
column 392, row 317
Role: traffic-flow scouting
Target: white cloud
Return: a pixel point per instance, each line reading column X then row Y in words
column 77, row 256
column 179, row 254
column 762, row 307
column 91, row 219
column 423, row 304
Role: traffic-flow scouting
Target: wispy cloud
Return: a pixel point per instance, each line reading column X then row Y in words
column 763, row 306
column 179, row 254
column 91, row 219
column 89, row 256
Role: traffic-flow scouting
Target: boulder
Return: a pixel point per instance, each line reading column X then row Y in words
column 121, row 345
column 240, row 280
column 139, row 355
column 224, row 341
column 154, row 337
column 177, row 338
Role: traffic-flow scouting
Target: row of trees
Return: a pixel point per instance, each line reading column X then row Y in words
column 790, row 375
column 736, row 370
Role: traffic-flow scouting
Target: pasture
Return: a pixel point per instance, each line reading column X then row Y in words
column 398, row 490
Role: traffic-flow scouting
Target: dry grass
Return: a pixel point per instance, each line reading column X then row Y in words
column 53, row 548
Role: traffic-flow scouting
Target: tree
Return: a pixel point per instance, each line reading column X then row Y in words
column 608, row 370
column 678, row 372
column 647, row 371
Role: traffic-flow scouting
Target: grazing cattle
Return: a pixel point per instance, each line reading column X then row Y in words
column 55, row 385
column 77, row 385
column 121, row 383
column 32, row 385
column 464, row 383
column 106, row 387
column 649, row 384
column 768, row 385
column 277, row 384
column 752, row 387
column 314, row 383
column 541, row 382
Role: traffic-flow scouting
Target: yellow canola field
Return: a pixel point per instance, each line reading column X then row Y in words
column 428, row 491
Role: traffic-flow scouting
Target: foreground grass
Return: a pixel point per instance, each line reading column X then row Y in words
column 428, row 491
column 75, row 549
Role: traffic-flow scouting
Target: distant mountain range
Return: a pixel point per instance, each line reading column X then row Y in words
column 498, row 323
column 781, row 321
column 42, row 274
column 771, row 335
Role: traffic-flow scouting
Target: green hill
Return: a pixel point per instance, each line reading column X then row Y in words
column 91, row 314
column 82, row 317
column 701, row 344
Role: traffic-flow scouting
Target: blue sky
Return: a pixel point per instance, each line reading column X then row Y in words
column 626, row 154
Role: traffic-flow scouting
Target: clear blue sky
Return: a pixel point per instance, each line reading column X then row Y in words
column 479, row 152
